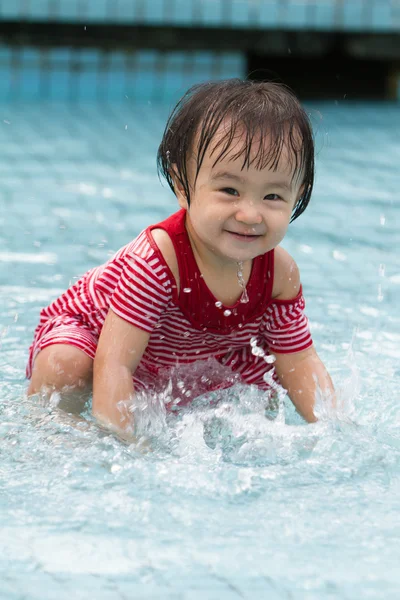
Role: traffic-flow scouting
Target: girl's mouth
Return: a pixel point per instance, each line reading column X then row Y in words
column 248, row 237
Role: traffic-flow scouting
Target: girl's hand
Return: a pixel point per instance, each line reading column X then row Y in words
column 302, row 374
column 119, row 351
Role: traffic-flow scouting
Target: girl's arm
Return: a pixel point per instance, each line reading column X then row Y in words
column 302, row 374
column 119, row 351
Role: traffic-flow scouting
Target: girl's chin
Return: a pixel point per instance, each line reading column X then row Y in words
column 230, row 253
column 236, row 257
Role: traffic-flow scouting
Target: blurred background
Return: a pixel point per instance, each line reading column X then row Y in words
column 152, row 50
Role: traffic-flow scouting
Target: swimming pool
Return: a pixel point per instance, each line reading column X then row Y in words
column 227, row 504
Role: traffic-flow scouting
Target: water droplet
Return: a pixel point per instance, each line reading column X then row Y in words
column 244, row 297
column 270, row 359
column 187, row 290
column 227, row 313
column 256, row 351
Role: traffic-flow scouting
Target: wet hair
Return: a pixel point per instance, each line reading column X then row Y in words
column 268, row 114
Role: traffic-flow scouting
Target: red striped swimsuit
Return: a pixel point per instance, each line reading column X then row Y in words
column 185, row 326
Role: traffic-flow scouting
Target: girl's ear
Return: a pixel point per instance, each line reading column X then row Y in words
column 178, row 188
column 300, row 193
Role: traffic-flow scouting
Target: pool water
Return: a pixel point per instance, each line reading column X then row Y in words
column 225, row 503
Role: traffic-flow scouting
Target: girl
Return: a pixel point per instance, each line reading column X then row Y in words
column 207, row 283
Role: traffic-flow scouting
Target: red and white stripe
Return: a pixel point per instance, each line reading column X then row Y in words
column 286, row 326
column 136, row 284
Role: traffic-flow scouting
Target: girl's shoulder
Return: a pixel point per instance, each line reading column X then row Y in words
column 166, row 248
column 286, row 275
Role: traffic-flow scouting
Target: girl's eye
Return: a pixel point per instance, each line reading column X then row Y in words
column 272, row 197
column 230, row 191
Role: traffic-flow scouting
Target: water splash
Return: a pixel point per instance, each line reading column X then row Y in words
column 342, row 407
column 241, row 425
column 278, row 392
column 149, row 413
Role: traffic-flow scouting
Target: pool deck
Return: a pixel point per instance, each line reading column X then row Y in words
column 319, row 15
column 365, row 28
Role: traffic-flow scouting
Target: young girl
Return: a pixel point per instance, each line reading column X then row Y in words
column 210, row 281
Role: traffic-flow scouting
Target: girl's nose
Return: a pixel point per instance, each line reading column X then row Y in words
column 248, row 213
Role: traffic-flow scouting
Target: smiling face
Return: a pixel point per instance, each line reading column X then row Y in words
column 237, row 213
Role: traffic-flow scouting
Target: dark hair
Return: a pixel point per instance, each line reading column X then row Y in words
column 262, row 109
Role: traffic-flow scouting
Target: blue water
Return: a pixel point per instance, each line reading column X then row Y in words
column 225, row 503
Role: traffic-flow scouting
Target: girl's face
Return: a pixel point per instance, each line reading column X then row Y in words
column 237, row 214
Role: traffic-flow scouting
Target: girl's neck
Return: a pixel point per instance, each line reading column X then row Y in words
column 226, row 278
